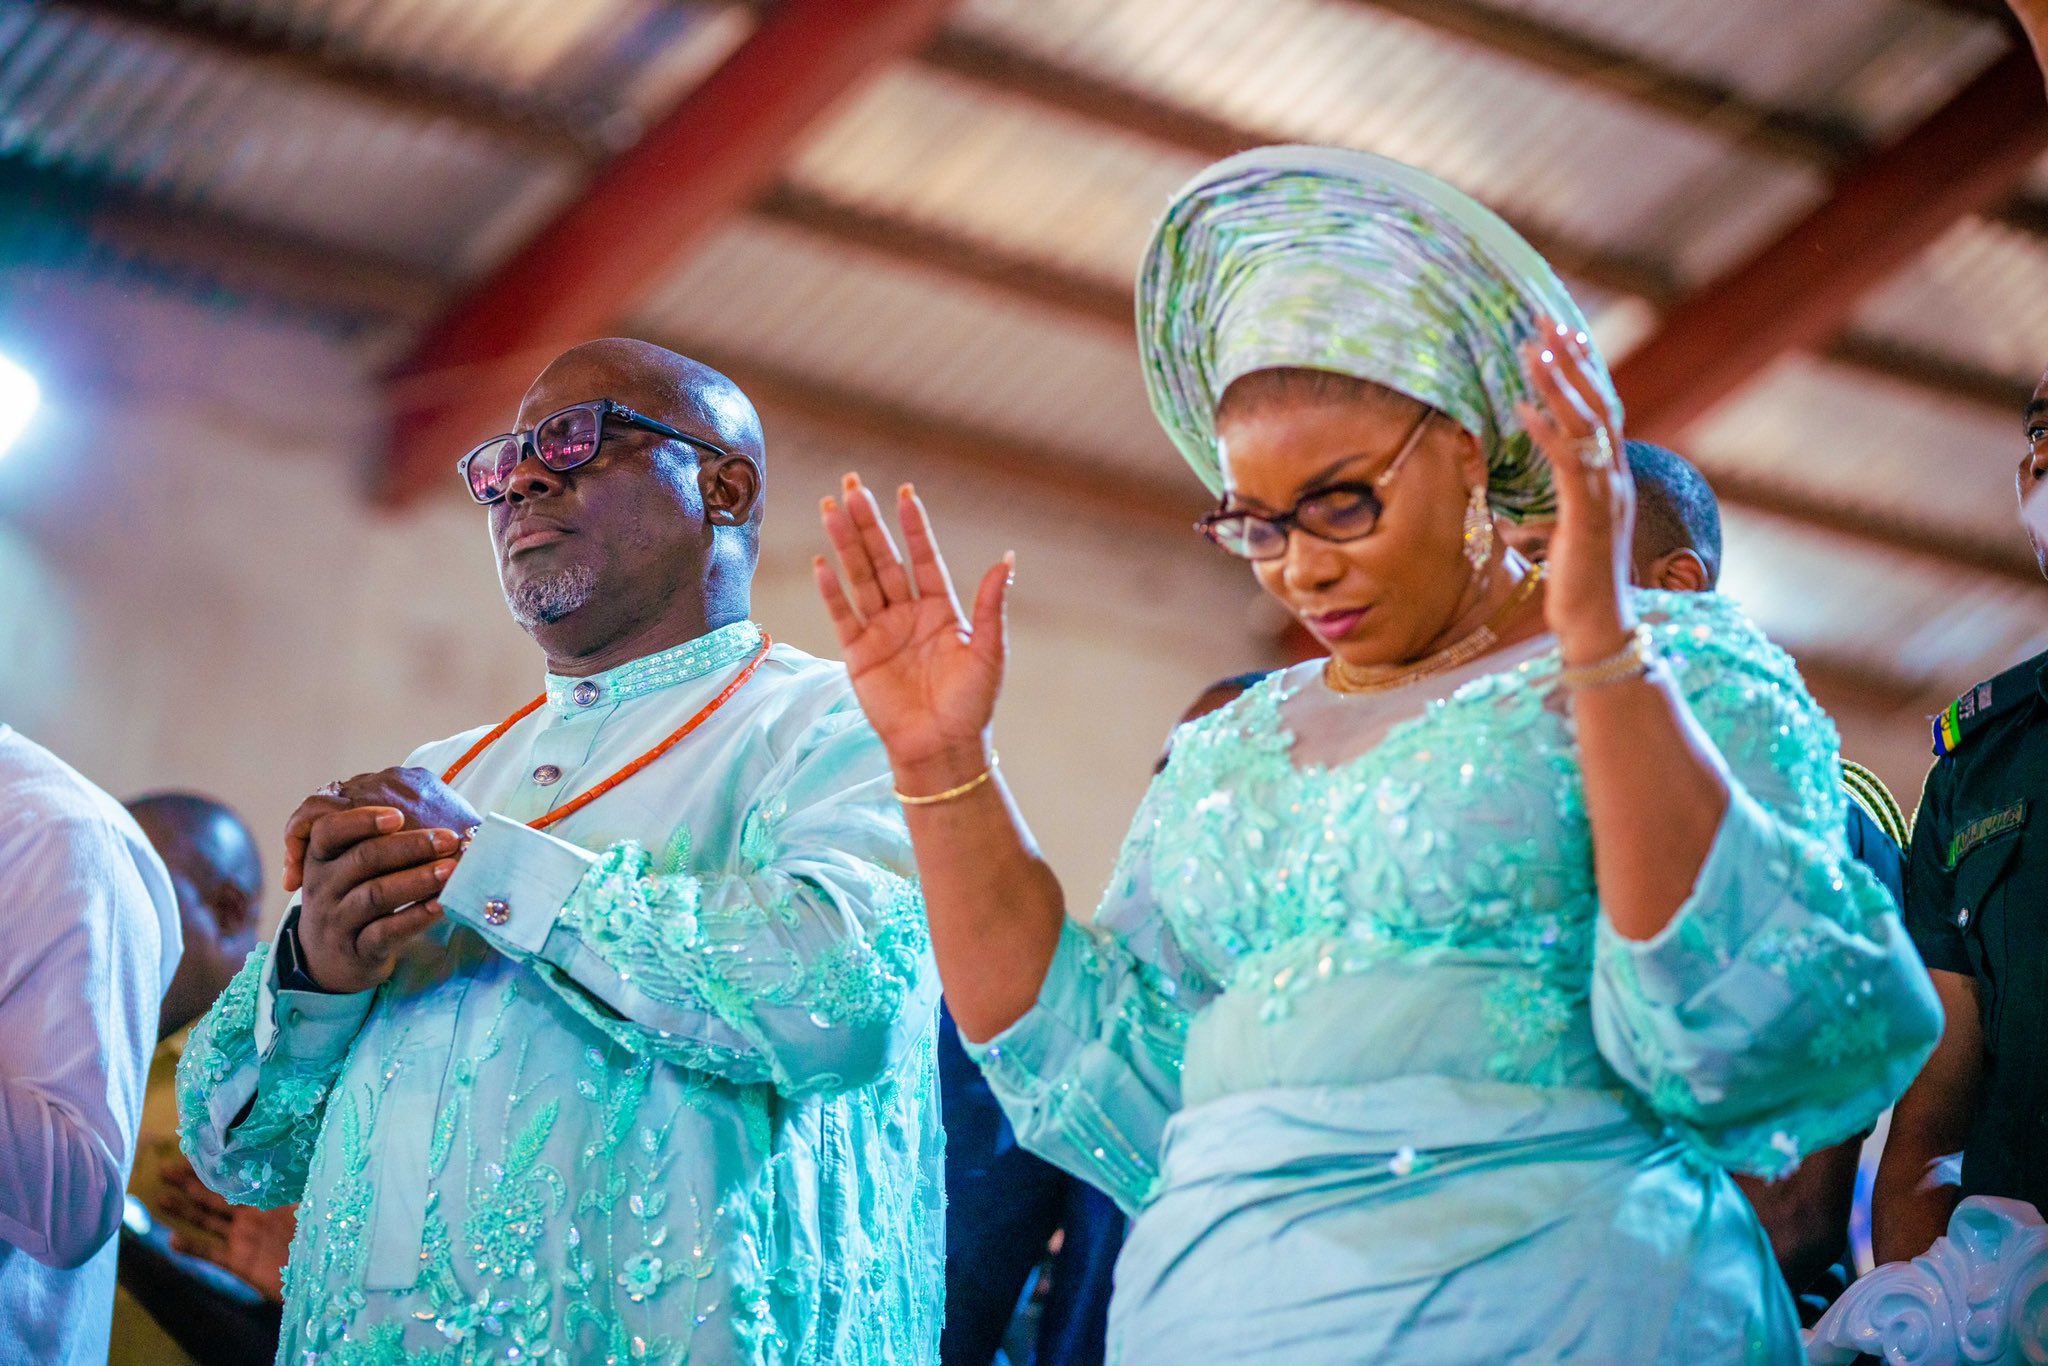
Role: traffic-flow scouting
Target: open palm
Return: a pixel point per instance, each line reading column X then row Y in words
column 925, row 673
column 1586, row 598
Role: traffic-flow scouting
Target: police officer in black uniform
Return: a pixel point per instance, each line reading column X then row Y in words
column 1977, row 907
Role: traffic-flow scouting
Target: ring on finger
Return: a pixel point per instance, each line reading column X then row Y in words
column 332, row 789
column 1596, row 452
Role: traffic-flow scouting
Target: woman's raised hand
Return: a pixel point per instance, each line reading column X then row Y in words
column 1586, row 598
column 925, row 674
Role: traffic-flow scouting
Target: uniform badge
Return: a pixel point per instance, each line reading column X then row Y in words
column 1948, row 729
column 1948, row 726
column 1986, row 828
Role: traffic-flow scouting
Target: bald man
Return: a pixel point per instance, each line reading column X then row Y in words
column 604, row 1033
column 217, row 876
column 217, row 879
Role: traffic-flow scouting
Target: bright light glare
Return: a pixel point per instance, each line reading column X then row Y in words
column 19, row 397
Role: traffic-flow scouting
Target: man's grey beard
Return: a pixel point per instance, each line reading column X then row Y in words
column 545, row 600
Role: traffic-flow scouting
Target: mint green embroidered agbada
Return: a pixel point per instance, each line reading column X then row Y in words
column 1349, row 1033
column 674, row 1101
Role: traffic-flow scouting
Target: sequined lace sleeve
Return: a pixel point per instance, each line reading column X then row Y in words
column 802, row 961
column 1783, row 1007
column 1091, row 1074
column 248, row 1118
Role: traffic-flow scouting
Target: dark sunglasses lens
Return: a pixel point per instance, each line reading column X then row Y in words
column 490, row 469
column 567, row 439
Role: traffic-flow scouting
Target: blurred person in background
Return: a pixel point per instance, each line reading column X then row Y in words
column 1216, row 696
column 1005, row 1207
column 88, row 942
column 639, row 1066
column 169, row 1309
column 217, row 876
column 1440, row 980
column 1976, row 889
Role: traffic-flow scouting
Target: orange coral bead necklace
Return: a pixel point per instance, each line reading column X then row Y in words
column 569, row 808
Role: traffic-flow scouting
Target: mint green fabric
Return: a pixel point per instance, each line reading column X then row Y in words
column 679, row 1104
column 1381, row 1084
column 1329, row 259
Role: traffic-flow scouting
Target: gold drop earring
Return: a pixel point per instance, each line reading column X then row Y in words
column 1478, row 529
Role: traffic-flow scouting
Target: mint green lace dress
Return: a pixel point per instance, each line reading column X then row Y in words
column 660, row 1090
column 1380, row 1083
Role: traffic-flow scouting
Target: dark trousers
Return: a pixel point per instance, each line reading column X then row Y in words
column 1003, row 1206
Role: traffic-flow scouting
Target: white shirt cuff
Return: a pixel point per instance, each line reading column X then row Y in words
column 309, row 1025
column 513, row 883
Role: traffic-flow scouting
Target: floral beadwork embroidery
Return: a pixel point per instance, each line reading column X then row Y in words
column 634, row 1146
column 1457, row 852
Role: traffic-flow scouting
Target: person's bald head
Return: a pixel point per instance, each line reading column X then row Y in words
column 217, row 876
column 652, row 537
column 687, row 394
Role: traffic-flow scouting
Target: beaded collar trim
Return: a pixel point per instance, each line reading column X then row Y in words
column 651, row 673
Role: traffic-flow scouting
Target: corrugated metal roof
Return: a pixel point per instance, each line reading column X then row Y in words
column 190, row 121
column 907, row 336
column 1848, row 441
column 594, row 58
column 1978, row 296
column 1874, row 610
column 177, row 120
column 1582, row 164
column 1880, row 64
column 940, row 151
column 933, row 149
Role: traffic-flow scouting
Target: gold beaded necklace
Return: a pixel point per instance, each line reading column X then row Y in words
column 1346, row 678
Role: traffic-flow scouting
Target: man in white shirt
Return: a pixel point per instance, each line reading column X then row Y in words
column 658, row 1085
column 88, row 940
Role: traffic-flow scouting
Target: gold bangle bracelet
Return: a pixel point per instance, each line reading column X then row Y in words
column 950, row 793
column 1631, row 661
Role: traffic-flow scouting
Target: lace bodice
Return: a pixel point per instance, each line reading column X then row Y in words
column 1428, row 908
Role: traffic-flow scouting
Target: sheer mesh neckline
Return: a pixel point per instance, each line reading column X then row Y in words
column 1330, row 728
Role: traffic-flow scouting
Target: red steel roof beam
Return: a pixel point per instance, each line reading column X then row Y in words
column 1800, row 291
column 640, row 214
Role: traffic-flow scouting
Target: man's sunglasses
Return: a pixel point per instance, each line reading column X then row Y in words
column 562, row 441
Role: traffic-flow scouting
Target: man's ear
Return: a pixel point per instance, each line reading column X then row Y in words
column 730, row 487
column 1681, row 571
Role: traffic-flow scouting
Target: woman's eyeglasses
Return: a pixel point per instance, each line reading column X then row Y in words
column 562, row 441
column 1336, row 512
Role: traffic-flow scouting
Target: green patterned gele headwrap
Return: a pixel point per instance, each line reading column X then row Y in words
column 1326, row 259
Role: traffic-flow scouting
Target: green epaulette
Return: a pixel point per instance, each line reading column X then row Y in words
column 1960, row 718
column 1868, row 791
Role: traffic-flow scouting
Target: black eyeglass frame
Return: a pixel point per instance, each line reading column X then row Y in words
column 1288, row 522
column 606, row 410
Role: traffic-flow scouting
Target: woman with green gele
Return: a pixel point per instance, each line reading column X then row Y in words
column 1441, row 982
